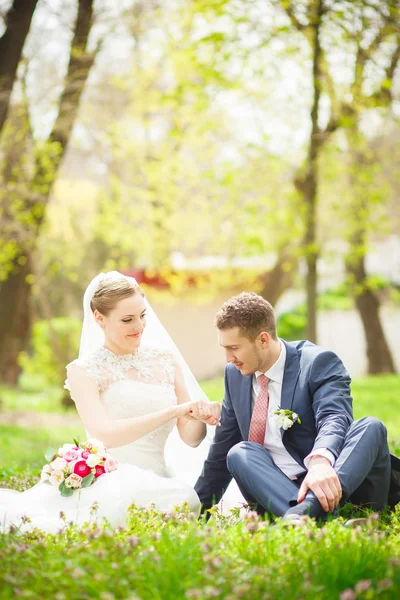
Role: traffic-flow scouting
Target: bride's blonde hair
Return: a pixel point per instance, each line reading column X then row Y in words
column 111, row 291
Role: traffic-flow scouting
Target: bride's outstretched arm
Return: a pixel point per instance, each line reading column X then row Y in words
column 118, row 432
column 192, row 426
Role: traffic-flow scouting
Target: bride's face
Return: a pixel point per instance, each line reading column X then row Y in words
column 124, row 325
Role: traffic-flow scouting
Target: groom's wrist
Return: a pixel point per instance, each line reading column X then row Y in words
column 318, row 460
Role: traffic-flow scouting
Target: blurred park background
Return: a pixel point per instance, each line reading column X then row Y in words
column 205, row 147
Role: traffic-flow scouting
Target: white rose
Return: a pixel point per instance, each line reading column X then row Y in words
column 56, row 478
column 93, row 460
column 279, row 420
column 287, row 423
column 97, row 447
column 45, row 474
column 58, row 464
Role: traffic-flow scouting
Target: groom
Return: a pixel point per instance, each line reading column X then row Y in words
column 311, row 463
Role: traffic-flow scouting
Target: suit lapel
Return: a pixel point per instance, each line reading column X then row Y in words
column 290, row 376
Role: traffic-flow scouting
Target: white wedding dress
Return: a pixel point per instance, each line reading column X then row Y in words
column 129, row 386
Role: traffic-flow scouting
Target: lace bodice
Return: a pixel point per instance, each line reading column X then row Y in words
column 148, row 365
column 135, row 385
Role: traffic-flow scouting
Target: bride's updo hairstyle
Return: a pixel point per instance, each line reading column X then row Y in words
column 110, row 291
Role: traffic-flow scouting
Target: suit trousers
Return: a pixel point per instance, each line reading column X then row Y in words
column 363, row 468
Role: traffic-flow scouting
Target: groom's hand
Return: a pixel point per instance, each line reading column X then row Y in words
column 323, row 481
column 207, row 412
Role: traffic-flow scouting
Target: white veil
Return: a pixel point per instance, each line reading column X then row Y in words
column 184, row 461
column 155, row 334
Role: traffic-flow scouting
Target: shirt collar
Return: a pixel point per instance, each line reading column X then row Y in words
column 275, row 373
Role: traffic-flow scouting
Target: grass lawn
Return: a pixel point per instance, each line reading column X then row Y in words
column 178, row 557
column 22, row 451
column 181, row 558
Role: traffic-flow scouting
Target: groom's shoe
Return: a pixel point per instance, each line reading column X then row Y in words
column 310, row 507
column 295, row 520
column 355, row 523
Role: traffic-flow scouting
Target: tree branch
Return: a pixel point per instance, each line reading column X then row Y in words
column 384, row 95
column 293, row 19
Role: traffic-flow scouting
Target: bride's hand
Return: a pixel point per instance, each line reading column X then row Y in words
column 184, row 410
column 207, row 412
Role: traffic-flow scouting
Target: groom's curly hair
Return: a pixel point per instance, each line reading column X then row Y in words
column 250, row 312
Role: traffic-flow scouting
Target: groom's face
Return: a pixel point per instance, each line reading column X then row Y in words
column 245, row 354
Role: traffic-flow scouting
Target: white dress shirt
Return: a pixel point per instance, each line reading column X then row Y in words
column 273, row 439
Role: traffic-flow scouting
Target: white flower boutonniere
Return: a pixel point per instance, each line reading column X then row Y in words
column 286, row 418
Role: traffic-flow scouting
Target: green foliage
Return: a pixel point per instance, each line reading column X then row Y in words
column 50, row 454
column 395, row 296
column 65, row 491
column 86, row 481
column 292, row 325
column 54, row 344
column 338, row 298
column 177, row 557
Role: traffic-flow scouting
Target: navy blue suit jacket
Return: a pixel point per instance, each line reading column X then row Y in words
column 315, row 385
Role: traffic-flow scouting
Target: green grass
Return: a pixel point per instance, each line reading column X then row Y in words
column 177, row 557
column 379, row 396
column 38, row 400
column 22, row 452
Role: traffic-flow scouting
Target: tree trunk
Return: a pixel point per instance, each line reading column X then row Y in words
column 16, row 328
column 279, row 278
column 306, row 181
column 367, row 302
column 378, row 352
column 311, row 182
column 15, row 319
column 18, row 21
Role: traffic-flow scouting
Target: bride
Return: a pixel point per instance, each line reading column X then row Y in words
column 130, row 386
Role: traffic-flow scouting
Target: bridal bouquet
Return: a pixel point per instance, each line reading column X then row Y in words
column 76, row 466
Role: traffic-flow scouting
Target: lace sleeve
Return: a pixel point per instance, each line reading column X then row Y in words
column 92, row 370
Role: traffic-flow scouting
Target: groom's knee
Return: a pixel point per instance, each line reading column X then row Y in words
column 242, row 455
column 236, row 457
column 374, row 427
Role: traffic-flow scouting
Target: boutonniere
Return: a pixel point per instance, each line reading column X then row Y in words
column 286, row 418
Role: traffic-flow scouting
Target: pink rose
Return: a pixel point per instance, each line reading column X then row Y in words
column 71, row 455
column 85, row 454
column 110, row 465
column 82, row 469
column 99, row 470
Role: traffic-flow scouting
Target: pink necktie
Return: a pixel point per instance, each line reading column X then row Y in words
column 259, row 417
